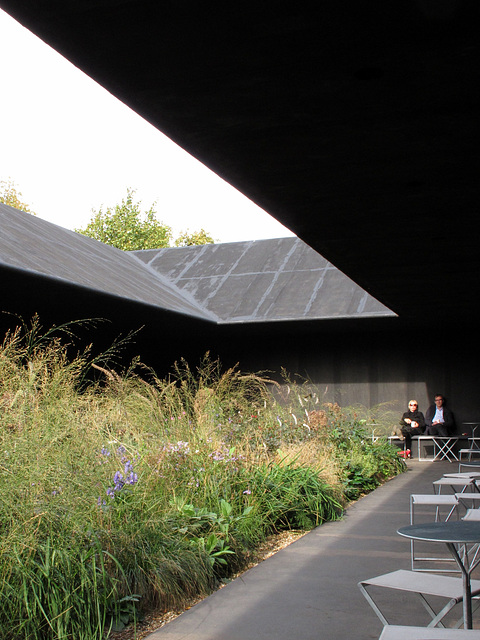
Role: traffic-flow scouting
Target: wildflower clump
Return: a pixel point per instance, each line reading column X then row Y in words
column 122, row 480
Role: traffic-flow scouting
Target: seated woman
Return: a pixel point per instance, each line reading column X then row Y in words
column 412, row 423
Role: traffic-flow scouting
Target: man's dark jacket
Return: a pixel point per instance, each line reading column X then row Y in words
column 448, row 419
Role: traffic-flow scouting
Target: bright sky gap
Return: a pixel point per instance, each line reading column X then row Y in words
column 71, row 147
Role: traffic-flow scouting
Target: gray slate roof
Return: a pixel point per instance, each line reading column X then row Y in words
column 34, row 245
column 263, row 281
column 256, row 281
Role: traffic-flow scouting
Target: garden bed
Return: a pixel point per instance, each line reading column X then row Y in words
column 127, row 494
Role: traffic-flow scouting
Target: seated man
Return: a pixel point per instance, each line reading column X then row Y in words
column 439, row 419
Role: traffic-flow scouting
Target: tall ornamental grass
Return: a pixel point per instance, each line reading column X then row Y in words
column 121, row 493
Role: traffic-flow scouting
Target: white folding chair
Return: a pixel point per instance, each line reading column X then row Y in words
column 466, row 454
column 422, row 584
column 456, row 482
column 437, row 501
column 394, row 632
column 463, row 474
column 468, row 464
column 469, row 500
column 472, row 514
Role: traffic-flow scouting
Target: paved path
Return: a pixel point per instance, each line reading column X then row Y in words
column 309, row 589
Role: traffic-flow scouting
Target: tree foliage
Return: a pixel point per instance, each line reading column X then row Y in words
column 124, row 226
column 187, row 239
column 127, row 228
column 10, row 195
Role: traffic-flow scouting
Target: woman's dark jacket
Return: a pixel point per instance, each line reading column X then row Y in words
column 415, row 416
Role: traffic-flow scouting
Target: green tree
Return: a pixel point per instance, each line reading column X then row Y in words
column 10, row 195
column 127, row 228
column 187, row 239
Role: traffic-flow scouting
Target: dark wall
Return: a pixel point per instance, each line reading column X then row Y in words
column 368, row 363
column 365, row 362
column 162, row 337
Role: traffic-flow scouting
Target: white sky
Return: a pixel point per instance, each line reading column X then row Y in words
column 70, row 147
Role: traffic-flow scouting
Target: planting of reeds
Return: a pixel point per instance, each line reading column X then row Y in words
column 123, row 492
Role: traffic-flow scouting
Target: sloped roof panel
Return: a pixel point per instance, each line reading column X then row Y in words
column 241, row 282
column 31, row 244
column 264, row 281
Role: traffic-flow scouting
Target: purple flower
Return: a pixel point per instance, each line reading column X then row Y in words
column 120, row 480
column 132, row 478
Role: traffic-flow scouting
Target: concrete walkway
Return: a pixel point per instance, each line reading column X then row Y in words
column 309, row 589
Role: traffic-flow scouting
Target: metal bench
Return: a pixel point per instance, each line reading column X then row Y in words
column 442, row 447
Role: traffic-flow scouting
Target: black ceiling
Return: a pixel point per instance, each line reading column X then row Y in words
column 353, row 123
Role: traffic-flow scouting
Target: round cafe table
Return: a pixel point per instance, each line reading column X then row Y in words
column 457, row 532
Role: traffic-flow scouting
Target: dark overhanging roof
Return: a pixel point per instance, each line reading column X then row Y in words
column 354, row 124
column 244, row 282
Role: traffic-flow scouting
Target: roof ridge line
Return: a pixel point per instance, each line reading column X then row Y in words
column 185, row 295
